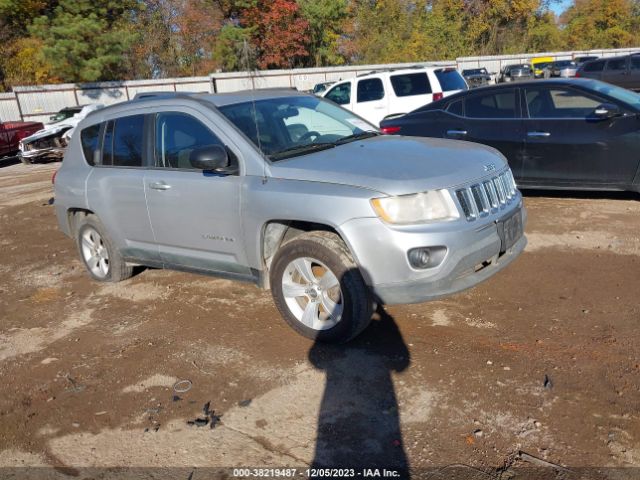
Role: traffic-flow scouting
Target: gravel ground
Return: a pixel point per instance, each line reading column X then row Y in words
column 540, row 363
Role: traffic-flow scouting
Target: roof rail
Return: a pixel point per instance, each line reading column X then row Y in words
column 409, row 67
column 144, row 95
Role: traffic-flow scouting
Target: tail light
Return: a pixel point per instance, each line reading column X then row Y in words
column 438, row 96
column 577, row 75
column 53, row 177
column 390, row 130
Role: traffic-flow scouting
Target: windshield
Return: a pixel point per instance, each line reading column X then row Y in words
column 475, row 71
column 62, row 115
column 565, row 63
column 622, row 94
column 291, row 126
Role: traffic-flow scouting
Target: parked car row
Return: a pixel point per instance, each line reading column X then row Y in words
column 379, row 94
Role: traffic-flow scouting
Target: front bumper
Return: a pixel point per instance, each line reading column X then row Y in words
column 473, row 255
column 52, row 146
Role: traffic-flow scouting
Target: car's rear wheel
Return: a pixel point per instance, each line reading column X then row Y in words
column 319, row 289
column 98, row 253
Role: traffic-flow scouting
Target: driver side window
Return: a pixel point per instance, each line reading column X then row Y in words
column 559, row 103
column 177, row 135
column 340, row 94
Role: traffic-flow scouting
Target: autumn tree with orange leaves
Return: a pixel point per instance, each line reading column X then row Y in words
column 278, row 32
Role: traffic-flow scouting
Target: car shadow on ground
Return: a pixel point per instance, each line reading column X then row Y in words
column 359, row 420
column 8, row 161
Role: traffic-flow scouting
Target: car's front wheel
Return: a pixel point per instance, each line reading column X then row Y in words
column 319, row 289
column 98, row 253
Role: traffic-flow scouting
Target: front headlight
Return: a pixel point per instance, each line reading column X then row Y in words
column 417, row 208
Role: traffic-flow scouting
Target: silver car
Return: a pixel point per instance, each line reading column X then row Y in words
column 563, row 69
column 293, row 193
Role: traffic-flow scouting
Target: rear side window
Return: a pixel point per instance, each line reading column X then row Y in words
column 370, row 90
column 450, row 79
column 455, row 108
column 177, row 135
column 617, row 64
column 635, row 63
column 492, row 105
column 340, row 94
column 410, row 84
column 594, row 66
column 123, row 142
column 89, row 137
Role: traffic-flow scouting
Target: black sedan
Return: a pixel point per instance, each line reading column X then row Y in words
column 572, row 134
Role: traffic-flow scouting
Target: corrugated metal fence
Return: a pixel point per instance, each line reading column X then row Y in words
column 38, row 103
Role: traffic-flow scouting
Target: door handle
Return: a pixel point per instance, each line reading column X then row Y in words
column 456, row 133
column 159, row 186
column 538, row 134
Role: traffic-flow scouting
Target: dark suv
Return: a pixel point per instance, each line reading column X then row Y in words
column 621, row 71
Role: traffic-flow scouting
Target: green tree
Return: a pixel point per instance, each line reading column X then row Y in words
column 601, row 24
column 326, row 18
column 380, row 31
column 543, row 34
column 86, row 40
column 231, row 51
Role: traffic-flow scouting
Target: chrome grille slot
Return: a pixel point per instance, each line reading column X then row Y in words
column 500, row 190
column 466, row 200
column 505, row 186
column 512, row 182
column 481, row 199
column 490, row 189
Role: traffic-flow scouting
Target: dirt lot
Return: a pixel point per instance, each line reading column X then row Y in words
column 544, row 358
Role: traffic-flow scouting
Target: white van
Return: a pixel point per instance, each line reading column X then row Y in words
column 378, row 94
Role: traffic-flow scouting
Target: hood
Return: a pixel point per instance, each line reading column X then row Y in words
column 63, row 125
column 394, row 165
column 54, row 129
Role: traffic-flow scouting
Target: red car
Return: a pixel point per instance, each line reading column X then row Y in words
column 12, row 132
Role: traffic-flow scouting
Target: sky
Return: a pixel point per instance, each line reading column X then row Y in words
column 561, row 6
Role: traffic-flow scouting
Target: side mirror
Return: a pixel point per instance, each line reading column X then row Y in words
column 607, row 111
column 211, row 158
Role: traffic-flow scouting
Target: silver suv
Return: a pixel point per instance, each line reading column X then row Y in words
column 291, row 192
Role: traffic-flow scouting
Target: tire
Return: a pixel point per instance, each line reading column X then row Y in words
column 333, row 309
column 93, row 243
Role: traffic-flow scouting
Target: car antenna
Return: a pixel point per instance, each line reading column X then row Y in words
column 247, row 59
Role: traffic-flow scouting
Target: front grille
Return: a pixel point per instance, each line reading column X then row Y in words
column 488, row 196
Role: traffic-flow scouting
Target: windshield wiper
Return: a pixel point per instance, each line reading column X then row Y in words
column 301, row 150
column 357, row 136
